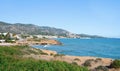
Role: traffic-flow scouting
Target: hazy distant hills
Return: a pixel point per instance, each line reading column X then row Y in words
column 20, row 28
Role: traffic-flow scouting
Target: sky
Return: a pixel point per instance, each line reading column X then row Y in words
column 94, row 17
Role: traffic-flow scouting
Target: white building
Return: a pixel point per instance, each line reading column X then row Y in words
column 46, row 36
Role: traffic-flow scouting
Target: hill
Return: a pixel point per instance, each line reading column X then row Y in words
column 20, row 28
column 11, row 59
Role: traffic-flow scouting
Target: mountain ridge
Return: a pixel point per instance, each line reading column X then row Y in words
column 20, row 28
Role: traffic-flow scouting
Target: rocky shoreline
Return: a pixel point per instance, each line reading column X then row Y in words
column 90, row 62
column 79, row 60
column 39, row 42
column 33, row 42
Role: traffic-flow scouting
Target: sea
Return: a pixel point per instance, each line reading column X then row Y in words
column 96, row 47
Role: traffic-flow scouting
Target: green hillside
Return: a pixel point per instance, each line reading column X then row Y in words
column 11, row 60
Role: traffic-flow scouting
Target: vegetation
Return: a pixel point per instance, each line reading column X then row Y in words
column 88, row 62
column 11, row 60
column 1, row 36
column 7, row 38
column 24, row 35
column 101, row 68
column 98, row 59
column 59, row 55
column 31, row 29
column 115, row 64
column 77, row 59
column 75, row 63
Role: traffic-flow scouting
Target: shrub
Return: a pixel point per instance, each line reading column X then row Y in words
column 59, row 55
column 32, row 52
column 115, row 64
column 101, row 68
column 43, row 53
column 9, row 41
column 75, row 63
column 10, row 61
column 98, row 59
column 51, row 54
column 88, row 62
column 77, row 59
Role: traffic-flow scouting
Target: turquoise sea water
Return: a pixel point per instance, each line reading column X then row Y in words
column 99, row 47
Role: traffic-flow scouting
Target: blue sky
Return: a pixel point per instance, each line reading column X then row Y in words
column 95, row 17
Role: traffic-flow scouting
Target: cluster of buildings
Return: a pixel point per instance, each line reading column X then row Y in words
column 13, row 37
column 4, row 37
column 46, row 36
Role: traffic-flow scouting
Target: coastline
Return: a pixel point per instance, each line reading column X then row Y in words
column 79, row 60
column 95, row 62
column 49, row 55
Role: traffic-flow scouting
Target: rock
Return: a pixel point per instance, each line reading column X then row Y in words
column 40, row 42
column 50, row 42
